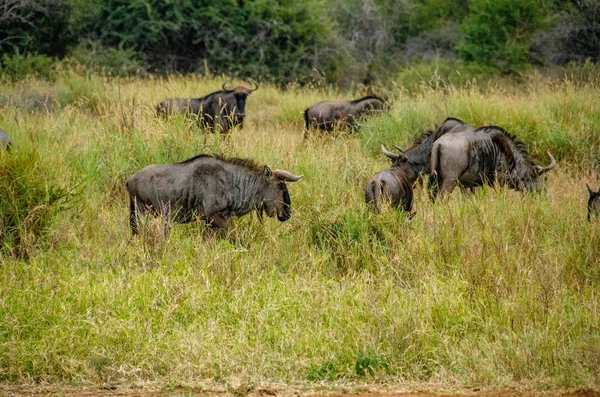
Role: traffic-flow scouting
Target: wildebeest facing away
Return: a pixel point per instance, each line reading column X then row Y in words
column 396, row 183
column 486, row 155
column 593, row 203
column 224, row 108
column 5, row 142
column 390, row 185
column 211, row 187
column 326, row 115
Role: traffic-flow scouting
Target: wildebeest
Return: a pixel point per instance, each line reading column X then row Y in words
column 224, row 108
column 396, row 183
column 5, row 142
column 390, row 185
column 485, row 155
column 211, row 187
column 593, row 203
column 326, row 115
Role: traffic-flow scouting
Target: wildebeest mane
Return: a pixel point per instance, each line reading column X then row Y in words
column 355, row 101
column 248, row 164
column 506, row 142
column 434, row 134
column 208, row 96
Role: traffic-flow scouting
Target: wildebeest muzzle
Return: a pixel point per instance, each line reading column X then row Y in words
column 287, row 207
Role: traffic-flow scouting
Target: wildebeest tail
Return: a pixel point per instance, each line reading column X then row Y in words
column 434, row 177
column 306, row 119
column 373, row 194
column 132, row 215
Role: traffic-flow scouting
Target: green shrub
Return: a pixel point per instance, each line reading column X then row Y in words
column 18, row 66
column 29, row 201
column 107, row 60
column 499, row 33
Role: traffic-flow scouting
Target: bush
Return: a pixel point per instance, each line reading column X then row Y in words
column 18, row 66
column 107, row 60
column 499, row 33
column 29, row 202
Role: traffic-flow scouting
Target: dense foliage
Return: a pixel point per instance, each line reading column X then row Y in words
column 343, row 41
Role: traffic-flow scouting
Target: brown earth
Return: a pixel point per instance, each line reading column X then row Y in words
column 242, row 391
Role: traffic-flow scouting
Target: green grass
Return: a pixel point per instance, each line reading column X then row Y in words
column 496, row 288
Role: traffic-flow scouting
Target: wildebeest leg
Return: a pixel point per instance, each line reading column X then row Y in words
column 133, row 215
column 165, row 211
column 447, row 186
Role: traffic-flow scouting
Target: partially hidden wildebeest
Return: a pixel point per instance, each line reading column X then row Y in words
column 326, row 115
column 471, row 158
column 396, row 183
column 5, row 142
column 593, row 202
column 390, row 185
column 210, row 187
column 224, row 108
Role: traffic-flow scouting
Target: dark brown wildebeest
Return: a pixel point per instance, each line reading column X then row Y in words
column 224, row 108
column 5, row 142
column 471, row 158
column 396, row 183
column 390, row 185
column 326, row 115
column 593, row 203
column 211, row 187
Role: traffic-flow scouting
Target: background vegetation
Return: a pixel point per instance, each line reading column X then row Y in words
column 496, row 289
column 336, row 41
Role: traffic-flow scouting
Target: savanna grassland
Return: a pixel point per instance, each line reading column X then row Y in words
column 494, row 289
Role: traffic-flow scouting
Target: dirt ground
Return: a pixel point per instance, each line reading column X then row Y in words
column 39, row 391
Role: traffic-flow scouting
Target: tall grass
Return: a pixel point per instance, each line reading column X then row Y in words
column 495, row 288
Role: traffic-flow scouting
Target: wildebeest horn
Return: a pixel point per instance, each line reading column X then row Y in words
column 552, row 164
column 255, row 85
column 399, row 148
column 287, row 176
column 225, row 88
column 393, row 156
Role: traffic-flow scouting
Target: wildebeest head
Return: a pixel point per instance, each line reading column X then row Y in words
column 530, row 178
column 397, row 158
column 240, row 93
column 593, row 202
column 276, row 198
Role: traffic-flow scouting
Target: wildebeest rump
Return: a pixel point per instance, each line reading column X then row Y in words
column 326, row 115
column 489, row 155
column 390, row 185
column 593, row 203
column 5, row 142
column 224, row 108
column 415, row 160
column 211, row 187
column 396, row 183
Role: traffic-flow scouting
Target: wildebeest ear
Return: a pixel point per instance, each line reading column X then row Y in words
column 268, row 172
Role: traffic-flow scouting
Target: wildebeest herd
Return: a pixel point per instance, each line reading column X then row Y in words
column 214, row 188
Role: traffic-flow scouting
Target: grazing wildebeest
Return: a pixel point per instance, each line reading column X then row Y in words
column 211, row 187
column 224, row 108
column 489, row 155
column 396, row 183
column 593, row 203
column 326, row 115
column 5, row 142
column 390, row 185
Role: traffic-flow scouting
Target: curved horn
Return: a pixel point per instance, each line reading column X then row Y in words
column 393, row 156
column 552, row 164
column 287, row 176
column 225, row 88
column 399, row 148
column 255, row 85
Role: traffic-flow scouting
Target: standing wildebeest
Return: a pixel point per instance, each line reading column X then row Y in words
column 224, row 108
column 211, row 187
column 485, row 155
column 593, row 203
column 396, row 183
column 325, row 115
column 5, row 142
